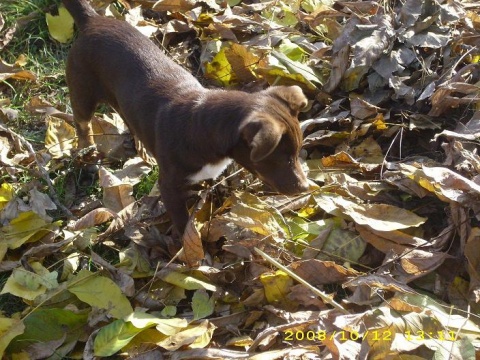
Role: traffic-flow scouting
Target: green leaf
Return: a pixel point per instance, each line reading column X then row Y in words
column 169, row 311
column 292, row 50
column 100, row 292
column 113, row 337
column 296, row 67
column 46, row 325
column 202, row 304
column 187, row 282
column 281, row 13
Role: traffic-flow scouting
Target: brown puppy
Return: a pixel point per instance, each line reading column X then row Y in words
column 192, row 132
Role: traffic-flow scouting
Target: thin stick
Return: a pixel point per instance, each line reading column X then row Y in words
column 294, row 276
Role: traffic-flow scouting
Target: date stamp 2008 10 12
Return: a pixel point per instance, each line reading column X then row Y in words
column 375, row 335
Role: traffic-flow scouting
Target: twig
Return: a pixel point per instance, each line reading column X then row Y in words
column 43, row 172
column 294, row 276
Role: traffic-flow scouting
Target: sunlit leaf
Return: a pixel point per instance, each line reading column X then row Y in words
column 27, row 227
column 112, row 337
column 193, row 336
column 60, row 137
column 6, row 194
column 144, row 320
column 277, row 286
column 101, row 292
column 61, row 26
column 219, row 69
column 381, row 217
column 186, row 281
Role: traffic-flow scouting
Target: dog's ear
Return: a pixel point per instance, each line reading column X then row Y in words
column 262, row 135
column 293, row 95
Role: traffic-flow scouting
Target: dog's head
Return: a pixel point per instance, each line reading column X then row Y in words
column 271, row 139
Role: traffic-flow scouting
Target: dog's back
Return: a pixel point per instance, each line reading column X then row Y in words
column 109, row 62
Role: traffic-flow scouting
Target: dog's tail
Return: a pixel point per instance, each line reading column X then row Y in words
column 80, row 10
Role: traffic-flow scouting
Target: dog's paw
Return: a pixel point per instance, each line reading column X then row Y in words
column 89, row 159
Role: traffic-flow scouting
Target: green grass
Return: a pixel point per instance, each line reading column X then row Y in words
column 145, row 186
column 45, row 57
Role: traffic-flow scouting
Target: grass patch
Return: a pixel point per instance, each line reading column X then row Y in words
column 148, row 182
column 45, row 57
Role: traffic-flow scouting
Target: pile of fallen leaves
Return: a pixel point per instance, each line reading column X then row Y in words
column 381, row 261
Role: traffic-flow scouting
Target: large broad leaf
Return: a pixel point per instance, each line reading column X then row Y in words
column 296, row 67
column 113, row 337
column 100, row 292
column 47, row 325
column 27, row 227
column 60, row 137
column 187, row 282
column 380, row 217
column 118, row 334
column 252, row 213
column 28, row 284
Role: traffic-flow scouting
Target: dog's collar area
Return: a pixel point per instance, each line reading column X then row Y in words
column 210, row 171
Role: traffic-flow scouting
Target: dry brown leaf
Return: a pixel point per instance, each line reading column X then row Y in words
column 318, row 272
column 8, row 71
column 93, row 218
column 418, row 262
column 473, row 259
column 41, row 202
column 60, row 138
column 116, row 194
column 243, row 61
column 109, row 136
column 174, row 5
column 384, row 282
column 192, row 244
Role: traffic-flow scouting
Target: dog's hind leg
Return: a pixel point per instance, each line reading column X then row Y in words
column 83, row 107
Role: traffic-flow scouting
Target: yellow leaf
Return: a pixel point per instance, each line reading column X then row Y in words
column 276, row 286
column 28, row 285
column 9, row 329
column 61, row 26
column 27, row 227
column 242, row 61
column 193, row 336
column 142, row 320
column 219, row 69
column 186, row 281
column 6, row 194
column 100, row 292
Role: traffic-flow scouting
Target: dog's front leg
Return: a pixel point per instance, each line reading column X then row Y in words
column 174, row 196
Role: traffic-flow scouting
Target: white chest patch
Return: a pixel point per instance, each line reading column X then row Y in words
column 210, row 171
